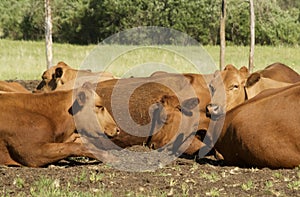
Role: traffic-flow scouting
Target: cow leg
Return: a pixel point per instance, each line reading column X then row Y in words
column 53, row 152
column 5, row 158
column 195, row 146
column 75, row 137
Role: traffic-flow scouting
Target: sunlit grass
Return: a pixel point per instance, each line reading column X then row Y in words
column 264, row 56
column 26, row 59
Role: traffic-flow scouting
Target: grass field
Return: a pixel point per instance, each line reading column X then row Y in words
column 26, row 59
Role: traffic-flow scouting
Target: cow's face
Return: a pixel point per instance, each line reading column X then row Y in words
column 174, row 123
column 91, row 117
column 227, row 89
column 53, row 77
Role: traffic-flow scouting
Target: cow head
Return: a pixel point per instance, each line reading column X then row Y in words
column 54, row 77
column 173, row 123
column 90, row 116
column 227, row 89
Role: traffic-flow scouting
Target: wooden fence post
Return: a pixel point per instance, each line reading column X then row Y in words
column 48, row 33
column 222, row 35
column 252, row 36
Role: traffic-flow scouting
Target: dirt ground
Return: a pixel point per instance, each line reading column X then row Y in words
column 181, row 177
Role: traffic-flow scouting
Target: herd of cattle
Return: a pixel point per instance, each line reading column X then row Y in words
column 245, row 119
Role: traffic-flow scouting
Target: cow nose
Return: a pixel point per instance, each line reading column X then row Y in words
column 117, row 130
column 213, row 111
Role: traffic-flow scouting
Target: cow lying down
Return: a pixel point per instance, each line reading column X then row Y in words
column 262, row 132
column 64, row 75
column 12, row 87
column 38, row 129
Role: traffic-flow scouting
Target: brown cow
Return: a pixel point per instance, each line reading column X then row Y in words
column 199, row 84
column 236, row 87
column 263, row 131
column 61, row 73
column 129, row 101
column 280, row 72
column 12, row 87
column 38, row 129
column 227, row 89
column 174, row 124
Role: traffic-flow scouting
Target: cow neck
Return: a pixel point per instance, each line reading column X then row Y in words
column 60, row 100
column 55, row 107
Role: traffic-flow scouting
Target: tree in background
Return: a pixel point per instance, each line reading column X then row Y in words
column 91, row 21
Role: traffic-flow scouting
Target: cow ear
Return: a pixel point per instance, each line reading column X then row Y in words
column 58, row 72
column 52, row 84
column 217, row 73
column 81, row 98
column 78, row 103
column 244, row 71
column 62, row 64
column 252, row 79
column 44, row 75
column 185, row 111
column 230, row 67
column 190, row 103
column 88, row 85
column 164, row 99
column 190, row 78
column 41, row 85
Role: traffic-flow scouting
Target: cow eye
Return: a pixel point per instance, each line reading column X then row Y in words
column 236, row 86
column 212, row 89
column 233, row 87
column 100, row 107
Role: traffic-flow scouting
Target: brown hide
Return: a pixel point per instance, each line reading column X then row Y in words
column 200, row 86
column 60, row 74
column 12, row 87
column 256, row 83
column 263, row 131
column 137, row 95
column 280, row 72
column 174, row 124
column 276, row 75
column 37, row 129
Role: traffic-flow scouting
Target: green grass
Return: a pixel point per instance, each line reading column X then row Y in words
column 263, row 56
column 26, row 59
column 247, row 186
column 49, row 187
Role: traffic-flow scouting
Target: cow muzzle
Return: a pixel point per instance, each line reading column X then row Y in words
column 115, row 132
column 214, row 111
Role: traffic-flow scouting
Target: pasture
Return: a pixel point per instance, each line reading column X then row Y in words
column 26, row 59
column 183, row 177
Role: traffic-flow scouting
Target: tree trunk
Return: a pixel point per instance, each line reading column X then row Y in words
column 222, row 35
column 252, row 36
column 48, row 33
